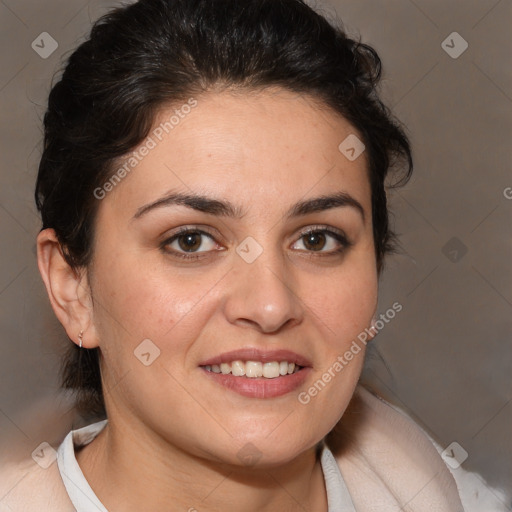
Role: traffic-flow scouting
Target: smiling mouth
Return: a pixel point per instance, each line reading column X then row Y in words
column 254, row 369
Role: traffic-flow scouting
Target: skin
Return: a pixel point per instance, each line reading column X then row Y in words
column 173, row 435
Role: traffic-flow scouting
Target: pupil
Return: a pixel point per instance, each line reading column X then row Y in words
column 312, row 237
column 191, row 241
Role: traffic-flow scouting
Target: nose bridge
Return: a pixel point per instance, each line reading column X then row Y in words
column 263, row 290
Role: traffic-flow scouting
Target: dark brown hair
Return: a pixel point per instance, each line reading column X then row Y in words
column 155, row 52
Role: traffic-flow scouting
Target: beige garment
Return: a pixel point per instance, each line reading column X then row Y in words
column 387, row 462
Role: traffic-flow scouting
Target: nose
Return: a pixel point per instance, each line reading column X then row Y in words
column 262, row 295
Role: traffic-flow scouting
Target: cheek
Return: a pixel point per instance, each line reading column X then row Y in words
column 346, row 302
column 342, row 311
column 144, row 298
column 151, row 303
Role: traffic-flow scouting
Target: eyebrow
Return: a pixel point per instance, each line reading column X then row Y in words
column 224, row 208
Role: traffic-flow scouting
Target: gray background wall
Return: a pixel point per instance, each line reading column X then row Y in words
column 446, row 358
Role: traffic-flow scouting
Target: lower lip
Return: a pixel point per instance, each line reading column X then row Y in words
column 260, row 387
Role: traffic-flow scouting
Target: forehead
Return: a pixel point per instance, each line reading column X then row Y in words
column 260, row 146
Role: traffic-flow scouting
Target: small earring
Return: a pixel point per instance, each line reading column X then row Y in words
column 373, row 329
column 80, row 337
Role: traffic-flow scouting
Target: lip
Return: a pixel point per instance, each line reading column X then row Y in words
column 256, row 354
column 261, row 387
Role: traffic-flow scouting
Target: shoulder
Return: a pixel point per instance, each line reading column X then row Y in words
column 388, row 462
column 28, row 487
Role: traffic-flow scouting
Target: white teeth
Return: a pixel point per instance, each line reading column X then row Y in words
column 238, row 368
column 254, row 369
column 271, row 370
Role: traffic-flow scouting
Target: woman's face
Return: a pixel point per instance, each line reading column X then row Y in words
column 247, row 283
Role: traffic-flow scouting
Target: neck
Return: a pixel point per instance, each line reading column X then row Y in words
column 130, row 470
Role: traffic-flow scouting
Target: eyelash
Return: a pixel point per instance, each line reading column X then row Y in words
column 339, row 236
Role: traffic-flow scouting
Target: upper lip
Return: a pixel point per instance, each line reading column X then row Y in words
column 257, row 354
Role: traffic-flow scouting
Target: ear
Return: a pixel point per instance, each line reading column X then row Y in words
column 68, row 289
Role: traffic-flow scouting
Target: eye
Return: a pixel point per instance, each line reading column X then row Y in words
column 319, row 238
column 192, row 243
column 189, row 241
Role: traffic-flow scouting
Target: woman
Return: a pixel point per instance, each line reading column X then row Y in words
column 214, row 226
